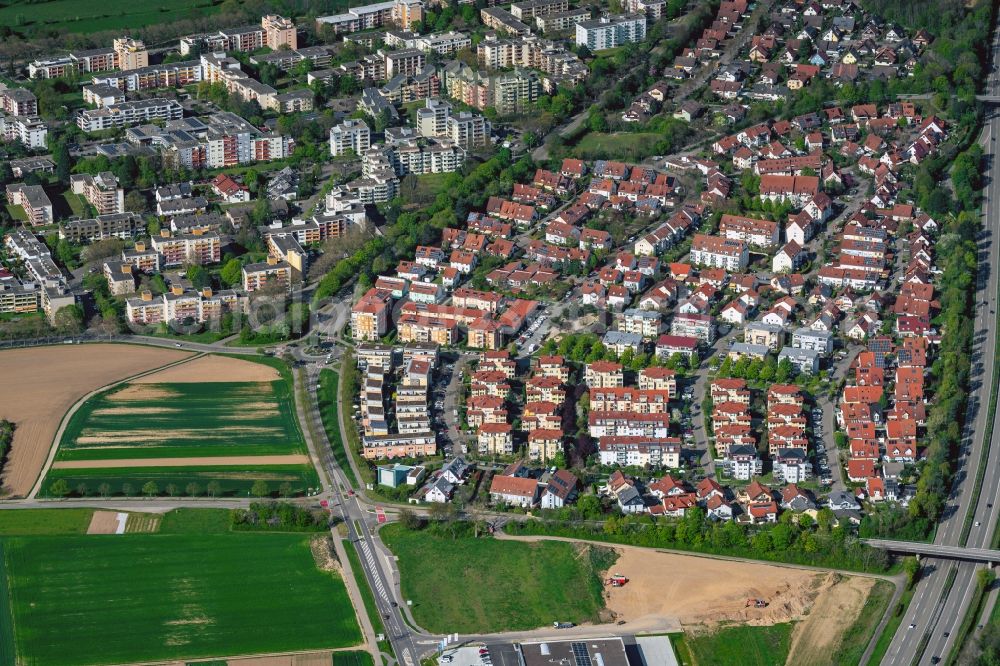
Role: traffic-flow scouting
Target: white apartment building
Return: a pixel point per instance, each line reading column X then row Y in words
column 717, row 252
column 29, row 130
column 466, row 129
column 350, row 135
column 129, row 113
column 609, row 32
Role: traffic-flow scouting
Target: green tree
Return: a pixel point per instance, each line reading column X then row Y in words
column 214, row 488
column 260, row 488
column 135, row 202
column 199, row 276
column 127, row 489
column 104, row 489
column 409, row 520
column 192, row 489
column 59, row 488
column 69, row 319
column 232, row 272
column 911, row 567
column 150, row 489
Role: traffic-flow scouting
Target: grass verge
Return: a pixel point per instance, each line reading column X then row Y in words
column 367, row 596
column 747, row 646
column 855, row 639
column 972, row 614
column 329, row 410
column 681, row 649
column 885, row 639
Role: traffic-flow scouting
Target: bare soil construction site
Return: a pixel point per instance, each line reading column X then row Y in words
column 704, row 593
column 42, row 383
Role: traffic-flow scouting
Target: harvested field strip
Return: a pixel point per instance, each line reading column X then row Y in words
column 184, row 420
column 103, row 522
column 216, row 369
column 142, row 522
column 128, row 481
column 220, row 461
column 8, row 655
column 42, row 383
column 163, row 597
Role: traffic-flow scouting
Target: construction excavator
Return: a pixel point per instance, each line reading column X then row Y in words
column 755, row 603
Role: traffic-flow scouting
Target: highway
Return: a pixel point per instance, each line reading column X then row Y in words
column 941, row 598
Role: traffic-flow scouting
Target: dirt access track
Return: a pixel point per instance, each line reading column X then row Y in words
column 42, row 383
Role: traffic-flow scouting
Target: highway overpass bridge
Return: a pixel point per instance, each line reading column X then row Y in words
column 935, row 550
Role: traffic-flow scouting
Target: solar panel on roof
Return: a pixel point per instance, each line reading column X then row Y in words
column 580, row 654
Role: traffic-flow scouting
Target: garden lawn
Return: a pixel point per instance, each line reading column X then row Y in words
column 151, row 597
column 232, row 480
column 17, row 213
column 483, row 585
column 75, row 203
column 747, row 646
column 184, row 420
column 620, row 146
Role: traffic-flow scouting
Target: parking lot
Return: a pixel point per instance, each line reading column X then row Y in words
column 498, row 654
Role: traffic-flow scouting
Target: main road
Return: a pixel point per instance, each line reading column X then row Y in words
column 941, row 598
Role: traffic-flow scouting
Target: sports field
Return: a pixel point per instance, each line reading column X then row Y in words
column 211, row 426
column 150, row 597
column 85, row 16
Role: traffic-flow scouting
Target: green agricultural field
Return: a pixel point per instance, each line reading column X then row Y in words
column 152, row 597
column 231, row 480
column 23, row 522
column 8, row 656
column 84, row 16
column 749, row 646
column 482, row 585
column 184, row 420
